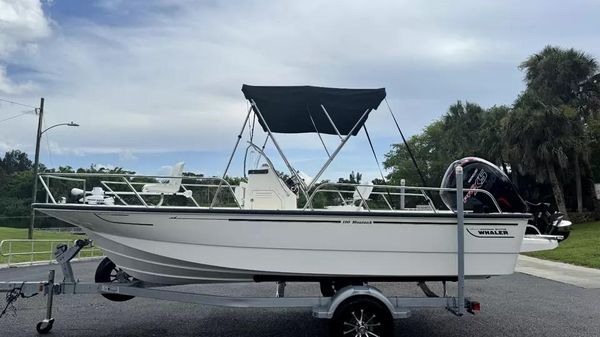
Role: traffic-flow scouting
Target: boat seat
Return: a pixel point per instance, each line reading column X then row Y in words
column 172, row 186
column 364, row 191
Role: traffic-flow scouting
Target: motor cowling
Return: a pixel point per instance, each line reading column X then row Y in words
column 481, row 174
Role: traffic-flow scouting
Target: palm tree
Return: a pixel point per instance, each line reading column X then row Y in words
column 554, row 77
column 490, row 135
column 462, row 123
column 538, row 139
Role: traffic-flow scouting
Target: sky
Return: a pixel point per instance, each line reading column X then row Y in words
column 155, row 82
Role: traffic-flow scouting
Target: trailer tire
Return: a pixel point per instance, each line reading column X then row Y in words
column 362, row 314
column 108, row 272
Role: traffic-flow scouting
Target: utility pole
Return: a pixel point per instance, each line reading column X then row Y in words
column 36, row 166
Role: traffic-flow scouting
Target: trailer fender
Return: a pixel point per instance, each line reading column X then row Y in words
column 328, row 309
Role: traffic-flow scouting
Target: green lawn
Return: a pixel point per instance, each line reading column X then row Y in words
column 41, row 248
column 581, row 248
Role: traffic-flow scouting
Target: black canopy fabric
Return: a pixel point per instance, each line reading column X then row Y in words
column 290, row 109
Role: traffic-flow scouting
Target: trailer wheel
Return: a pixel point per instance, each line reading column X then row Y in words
column 44, row 326
column 107, row 272
column 362, row 316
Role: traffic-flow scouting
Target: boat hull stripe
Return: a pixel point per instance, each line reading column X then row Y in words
column 123, row 222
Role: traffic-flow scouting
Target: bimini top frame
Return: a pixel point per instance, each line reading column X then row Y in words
column 308, row 109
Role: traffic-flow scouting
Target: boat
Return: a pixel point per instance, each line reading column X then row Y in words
column 270, row 227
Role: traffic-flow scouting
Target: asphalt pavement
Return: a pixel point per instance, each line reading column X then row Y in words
column 515, row 305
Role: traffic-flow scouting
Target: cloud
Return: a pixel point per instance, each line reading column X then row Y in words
column 145, row 77
column 7, row 86
column 103, row 166
column 127, row 155
column 22, row 25
column 4, row 146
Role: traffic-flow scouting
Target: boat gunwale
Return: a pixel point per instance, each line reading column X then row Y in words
column 291, row 212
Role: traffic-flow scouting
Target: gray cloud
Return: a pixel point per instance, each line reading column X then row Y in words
column 170, row 79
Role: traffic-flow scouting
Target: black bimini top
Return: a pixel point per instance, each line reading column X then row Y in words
column 297, row 109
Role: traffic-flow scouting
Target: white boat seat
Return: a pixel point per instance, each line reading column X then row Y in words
column 364, row 191
column 172, row 186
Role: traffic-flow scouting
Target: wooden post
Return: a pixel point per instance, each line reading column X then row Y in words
column 36, row 166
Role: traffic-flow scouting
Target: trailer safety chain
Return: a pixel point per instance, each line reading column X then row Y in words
column 11, row 297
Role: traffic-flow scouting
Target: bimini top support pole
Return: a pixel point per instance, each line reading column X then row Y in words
column 237, row 142
column 332, row 123
column 317, row 131
column 337, row 150
column 287, row 163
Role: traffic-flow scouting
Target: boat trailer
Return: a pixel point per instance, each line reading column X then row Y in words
column 373, row 307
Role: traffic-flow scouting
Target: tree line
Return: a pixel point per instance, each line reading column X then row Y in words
column 544, row 141
column 16, row 186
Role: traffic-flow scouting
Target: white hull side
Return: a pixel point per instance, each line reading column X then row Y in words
column 185, row 247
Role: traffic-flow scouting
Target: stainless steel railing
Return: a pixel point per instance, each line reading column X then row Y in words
column 130, row 185
column 132, row 189
column 392, row 190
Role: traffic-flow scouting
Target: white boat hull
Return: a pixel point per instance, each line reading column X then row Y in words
column 179, row 246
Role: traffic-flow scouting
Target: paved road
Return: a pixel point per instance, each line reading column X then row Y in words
column 516, row 305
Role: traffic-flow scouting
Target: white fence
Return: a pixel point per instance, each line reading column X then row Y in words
column 36, row 251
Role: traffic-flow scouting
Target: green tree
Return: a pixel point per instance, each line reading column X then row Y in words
column 15, row 161
column 430, row 154
column 353, row 178
column 462, row 128
column 490, row 135
column 554, row 80
column 538, row 139
column 466, row 129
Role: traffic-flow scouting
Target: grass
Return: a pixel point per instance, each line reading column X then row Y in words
column 581, row 248
column 43, row 250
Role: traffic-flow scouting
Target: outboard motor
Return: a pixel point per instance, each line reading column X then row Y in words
column 480, row 174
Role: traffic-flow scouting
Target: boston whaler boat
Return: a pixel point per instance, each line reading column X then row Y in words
column 187, row 229
column 272, row 229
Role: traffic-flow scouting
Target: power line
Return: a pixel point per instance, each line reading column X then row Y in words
column 15, row 116
column 17, row 103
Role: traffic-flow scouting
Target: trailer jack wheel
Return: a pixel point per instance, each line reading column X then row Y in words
column 106, row 272
column 362, row 316
column 44, row 326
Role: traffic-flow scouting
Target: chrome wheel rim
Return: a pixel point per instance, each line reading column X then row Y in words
column 362, row 325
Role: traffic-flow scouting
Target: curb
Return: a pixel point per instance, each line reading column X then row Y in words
column 584, row 277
